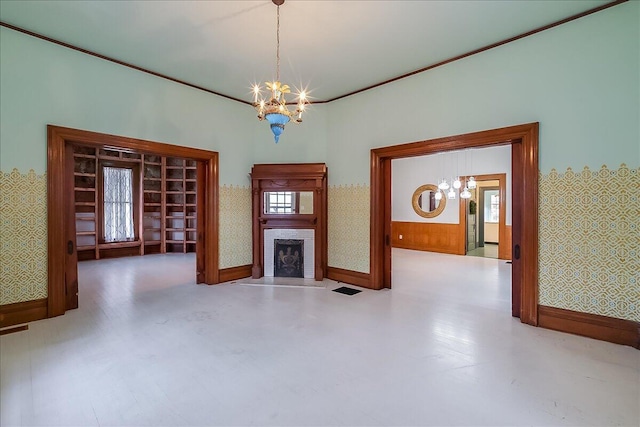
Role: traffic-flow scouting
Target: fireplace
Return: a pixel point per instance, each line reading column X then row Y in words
column 305, row 254
column 288, row 258
column 289, row 202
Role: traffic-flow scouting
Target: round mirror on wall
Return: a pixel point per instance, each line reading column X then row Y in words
column 425, row 203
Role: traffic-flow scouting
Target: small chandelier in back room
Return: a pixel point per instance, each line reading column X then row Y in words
column 275, row 109
column 456, row 184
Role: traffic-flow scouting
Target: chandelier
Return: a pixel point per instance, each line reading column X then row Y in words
column 443, row 186
column 275, row 110
column 456, row 184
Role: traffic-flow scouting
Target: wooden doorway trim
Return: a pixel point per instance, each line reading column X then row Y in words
column 524, row 166
column 59, row 141
column 503, row 240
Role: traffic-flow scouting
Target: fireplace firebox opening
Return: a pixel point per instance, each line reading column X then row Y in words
column 288, row 258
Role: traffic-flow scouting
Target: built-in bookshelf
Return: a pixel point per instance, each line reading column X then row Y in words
column 165, row 214
column 153, row 202
column 180, row 205
column 86, row 201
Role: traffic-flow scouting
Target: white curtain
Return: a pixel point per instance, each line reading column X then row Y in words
column 118, row 204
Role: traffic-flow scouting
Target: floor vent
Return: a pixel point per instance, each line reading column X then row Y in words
column 347, row 291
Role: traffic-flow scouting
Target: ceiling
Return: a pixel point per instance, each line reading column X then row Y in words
column 333, row 48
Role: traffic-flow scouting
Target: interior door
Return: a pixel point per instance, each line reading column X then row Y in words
column 71, row 255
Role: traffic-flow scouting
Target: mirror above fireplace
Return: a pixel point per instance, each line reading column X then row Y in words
column 288, row 202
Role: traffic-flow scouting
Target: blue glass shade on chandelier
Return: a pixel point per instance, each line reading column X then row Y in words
column 277, row 122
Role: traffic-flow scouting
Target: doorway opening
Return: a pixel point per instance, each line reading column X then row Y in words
column 61, row 204
column 524, row 160
column 483, row 236
column 486, row 218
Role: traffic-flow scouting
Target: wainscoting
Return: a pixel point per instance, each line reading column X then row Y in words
column 428, row 236
column 442, row 238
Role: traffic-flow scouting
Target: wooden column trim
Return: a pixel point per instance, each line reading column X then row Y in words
column 201, row 262
column 529, row 225
column 462, row 221
column 256, row 231
column 211, row 221
column 55, row 222
column 377, row 237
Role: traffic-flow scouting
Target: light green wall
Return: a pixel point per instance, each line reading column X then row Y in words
column 304, row 142
column 580, row 80
column 42, row 83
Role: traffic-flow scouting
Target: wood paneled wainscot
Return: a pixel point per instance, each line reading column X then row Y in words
column 438, row 237
column 427, row 236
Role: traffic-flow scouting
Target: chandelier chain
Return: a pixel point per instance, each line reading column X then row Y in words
column 278, row 46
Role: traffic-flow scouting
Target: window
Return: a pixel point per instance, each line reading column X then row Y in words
column 494, row 213
column 277, row 202
column 118, row 204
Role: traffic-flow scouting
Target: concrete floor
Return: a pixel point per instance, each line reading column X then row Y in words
column 149, row 347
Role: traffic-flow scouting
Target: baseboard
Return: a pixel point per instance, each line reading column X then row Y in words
column 349, row 276
column 235, row 273
column 23, row 312
column 13, row 330
column 619, row 331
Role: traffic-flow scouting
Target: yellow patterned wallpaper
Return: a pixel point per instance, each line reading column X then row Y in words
column 235, row 226
column 589, row 237
column 349, row 227
column 590, row 241
column 23, row 237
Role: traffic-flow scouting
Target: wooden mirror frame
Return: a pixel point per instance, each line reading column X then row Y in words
column 416, row 205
